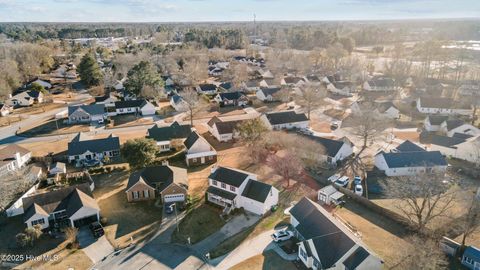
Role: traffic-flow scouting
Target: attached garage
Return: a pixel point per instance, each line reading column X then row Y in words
column 85, row 221
column 174, row 198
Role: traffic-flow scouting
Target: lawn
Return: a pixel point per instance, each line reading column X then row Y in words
column 39, row 108
column 230, row 243
column 128, row 120
column 62, row 259
column 8, row 120
column 125, row 221
column 53, row 127
column 267, row 260
column 198, row 224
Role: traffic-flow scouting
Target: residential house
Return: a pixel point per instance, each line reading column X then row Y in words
column 223, row 131
column 387, row 110
column 225, row 86
column 137, row 106
column 329, row 194
column 344, row 88
column 407, row 159
column 232, row 188
column 285, row 120
column 464, row 148
column 469, row 88
column 108, row 100
column 471, row 258
column 167, row 182
column 433, row 122
column 199, row 151
column 178, row 103
column 13, row 157
column 457, row 126
column 58, row 167
column 379, row 83
column 45, row 84
column 72, row 206
column 25, row 99
column 267, row 94
column 251, row 86
column 232, row 99
column 207, row 89
column 334, row 150
column 82, row 149
column 5, row 109
column 442, row 106
column 83, row 114
column 164, row 136
column 326, row 243
column 293, row 81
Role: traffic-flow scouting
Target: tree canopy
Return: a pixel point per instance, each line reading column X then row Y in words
column 142, row 75
column 89, row 70
column 139, row 152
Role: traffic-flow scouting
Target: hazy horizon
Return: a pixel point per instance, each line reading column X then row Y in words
column 169, row 11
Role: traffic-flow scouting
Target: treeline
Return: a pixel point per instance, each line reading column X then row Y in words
column 229, row 39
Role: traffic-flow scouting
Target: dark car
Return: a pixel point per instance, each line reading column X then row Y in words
column 97, row 229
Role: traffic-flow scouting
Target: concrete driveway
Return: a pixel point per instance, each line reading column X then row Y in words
column 96, row 249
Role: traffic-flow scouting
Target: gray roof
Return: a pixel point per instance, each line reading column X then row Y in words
column 408, row 146
column 446, row 141
column 277, row 118
column 174, row 131
column 454, row 123
column 159, row 177
column 256, row 190
column 442, row 103
column 356, row 258
column 384, row 106
column 414, row 159
column 231, row 95
column 331, row 146
column 437, row 119
column 207, row 87
column 191, row 139
column 270, row 91
column 227, row 127
column 92, row 109
column 228, row 176
column 130, row 103
column 79, row 146
column 472, row 253
column 381, row 81
column 222, row 193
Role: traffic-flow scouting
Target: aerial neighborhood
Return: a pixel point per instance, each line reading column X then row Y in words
column 248, row 145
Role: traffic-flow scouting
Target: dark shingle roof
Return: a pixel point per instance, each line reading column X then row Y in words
column 207, row 87
column 331, row 146
column 256, row 190
column 222, row 193
column 414, row 159
column 227, row 127
column 158, row 177
column 454, row 123
column 78, row 146
column 461, row 135
column 228, row 176
column 384, row 106
column 338, row 244
column 130, row 103
column 473, row 253
column 442, row 103
column 277, row 118
column 437, row 119
column 381, row 81
column 174, row 131
column 231, row 95
column 92, row 109
column 191, row 139
column 408, row 146
column 446, row 141
column 270, row 91
column 356, row 258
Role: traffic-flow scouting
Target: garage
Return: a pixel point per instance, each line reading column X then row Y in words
column 174, row 198
column 85, row 221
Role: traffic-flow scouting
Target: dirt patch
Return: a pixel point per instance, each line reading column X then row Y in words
column 267, row 260
column 130, row 120
column 10, row 119
column 407, row 135
column 64, row 259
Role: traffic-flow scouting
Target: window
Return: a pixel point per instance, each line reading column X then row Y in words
column 316, row 263
column 303, row 254
column 223, row 185
column 214, row 182
column 76, row 157
column 465, row 259
column 232, row 188
column 135, row 194
column 210, row 157
column 146, row 194
column 38, row 221
column 194, row 159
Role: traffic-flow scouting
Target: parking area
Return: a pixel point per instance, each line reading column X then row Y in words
column 95, row 248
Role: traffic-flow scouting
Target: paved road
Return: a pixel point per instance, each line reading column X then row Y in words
column 95, row 249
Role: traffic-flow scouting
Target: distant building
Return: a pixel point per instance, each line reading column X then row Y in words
column 285, row 120
column 442, row 106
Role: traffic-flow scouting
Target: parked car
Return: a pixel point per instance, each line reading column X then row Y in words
column 97, row 229
column 342, row 181
column 170, row 208
column 283, row 235
column 305, row 131
column 334, row 125
column 357, row 180
column 334, row 178
column 359, row 190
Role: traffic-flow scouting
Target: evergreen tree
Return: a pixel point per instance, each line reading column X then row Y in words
column 141, row 75
column 89, row 70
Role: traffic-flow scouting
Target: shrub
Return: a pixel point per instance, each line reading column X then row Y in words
column 103, row 221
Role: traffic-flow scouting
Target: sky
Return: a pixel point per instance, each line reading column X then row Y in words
column 231, row 10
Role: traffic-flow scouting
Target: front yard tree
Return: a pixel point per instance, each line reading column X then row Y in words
column 89, row 70
column 139, row 152
column 251, row 131
column 194, row 102
column 142, row 75
column 287, row 165
column 22, row 239
column 38, row 88
column 310, row 97
column 421, row 198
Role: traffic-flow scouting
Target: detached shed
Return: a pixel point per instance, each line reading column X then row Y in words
column 328, row 194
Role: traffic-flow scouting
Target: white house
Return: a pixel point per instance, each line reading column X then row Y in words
column 232, row 99
column 164, row 136
column 404, row 161
column 86, row 114
column 387, row 110
column 469, row 88
column 433, row 122
column 207, row 89
column 178, row 103
column 13, row 157
column 326, row 243
column 293, row 81
column 73, row 206
column 457, row 126
column 82, row 148
column 442, row 106
column 199, row 151
column 335, row 150
column 344, row 88
column 140, row 106
column 5, row 109
column 108, row 100
column 267, row 94
column 379, row 83
column 462, row 148
column 223, row 131
column 25, row 99
column 285, row 120
column 232, row 188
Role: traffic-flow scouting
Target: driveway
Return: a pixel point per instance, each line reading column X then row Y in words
column 96, row 249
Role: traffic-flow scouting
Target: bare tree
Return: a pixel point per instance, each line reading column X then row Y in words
column 194, row 102
column 237, row 74
column 310, row 97
column 283, row 95
column 422, row 253
column 469, row 224
column 288, row 166
column 71, row 234
column 421, row 198
column 368, row 126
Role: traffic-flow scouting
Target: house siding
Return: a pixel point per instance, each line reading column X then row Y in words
column 140, row 188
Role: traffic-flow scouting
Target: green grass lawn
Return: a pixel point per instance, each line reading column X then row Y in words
column 198, row 224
